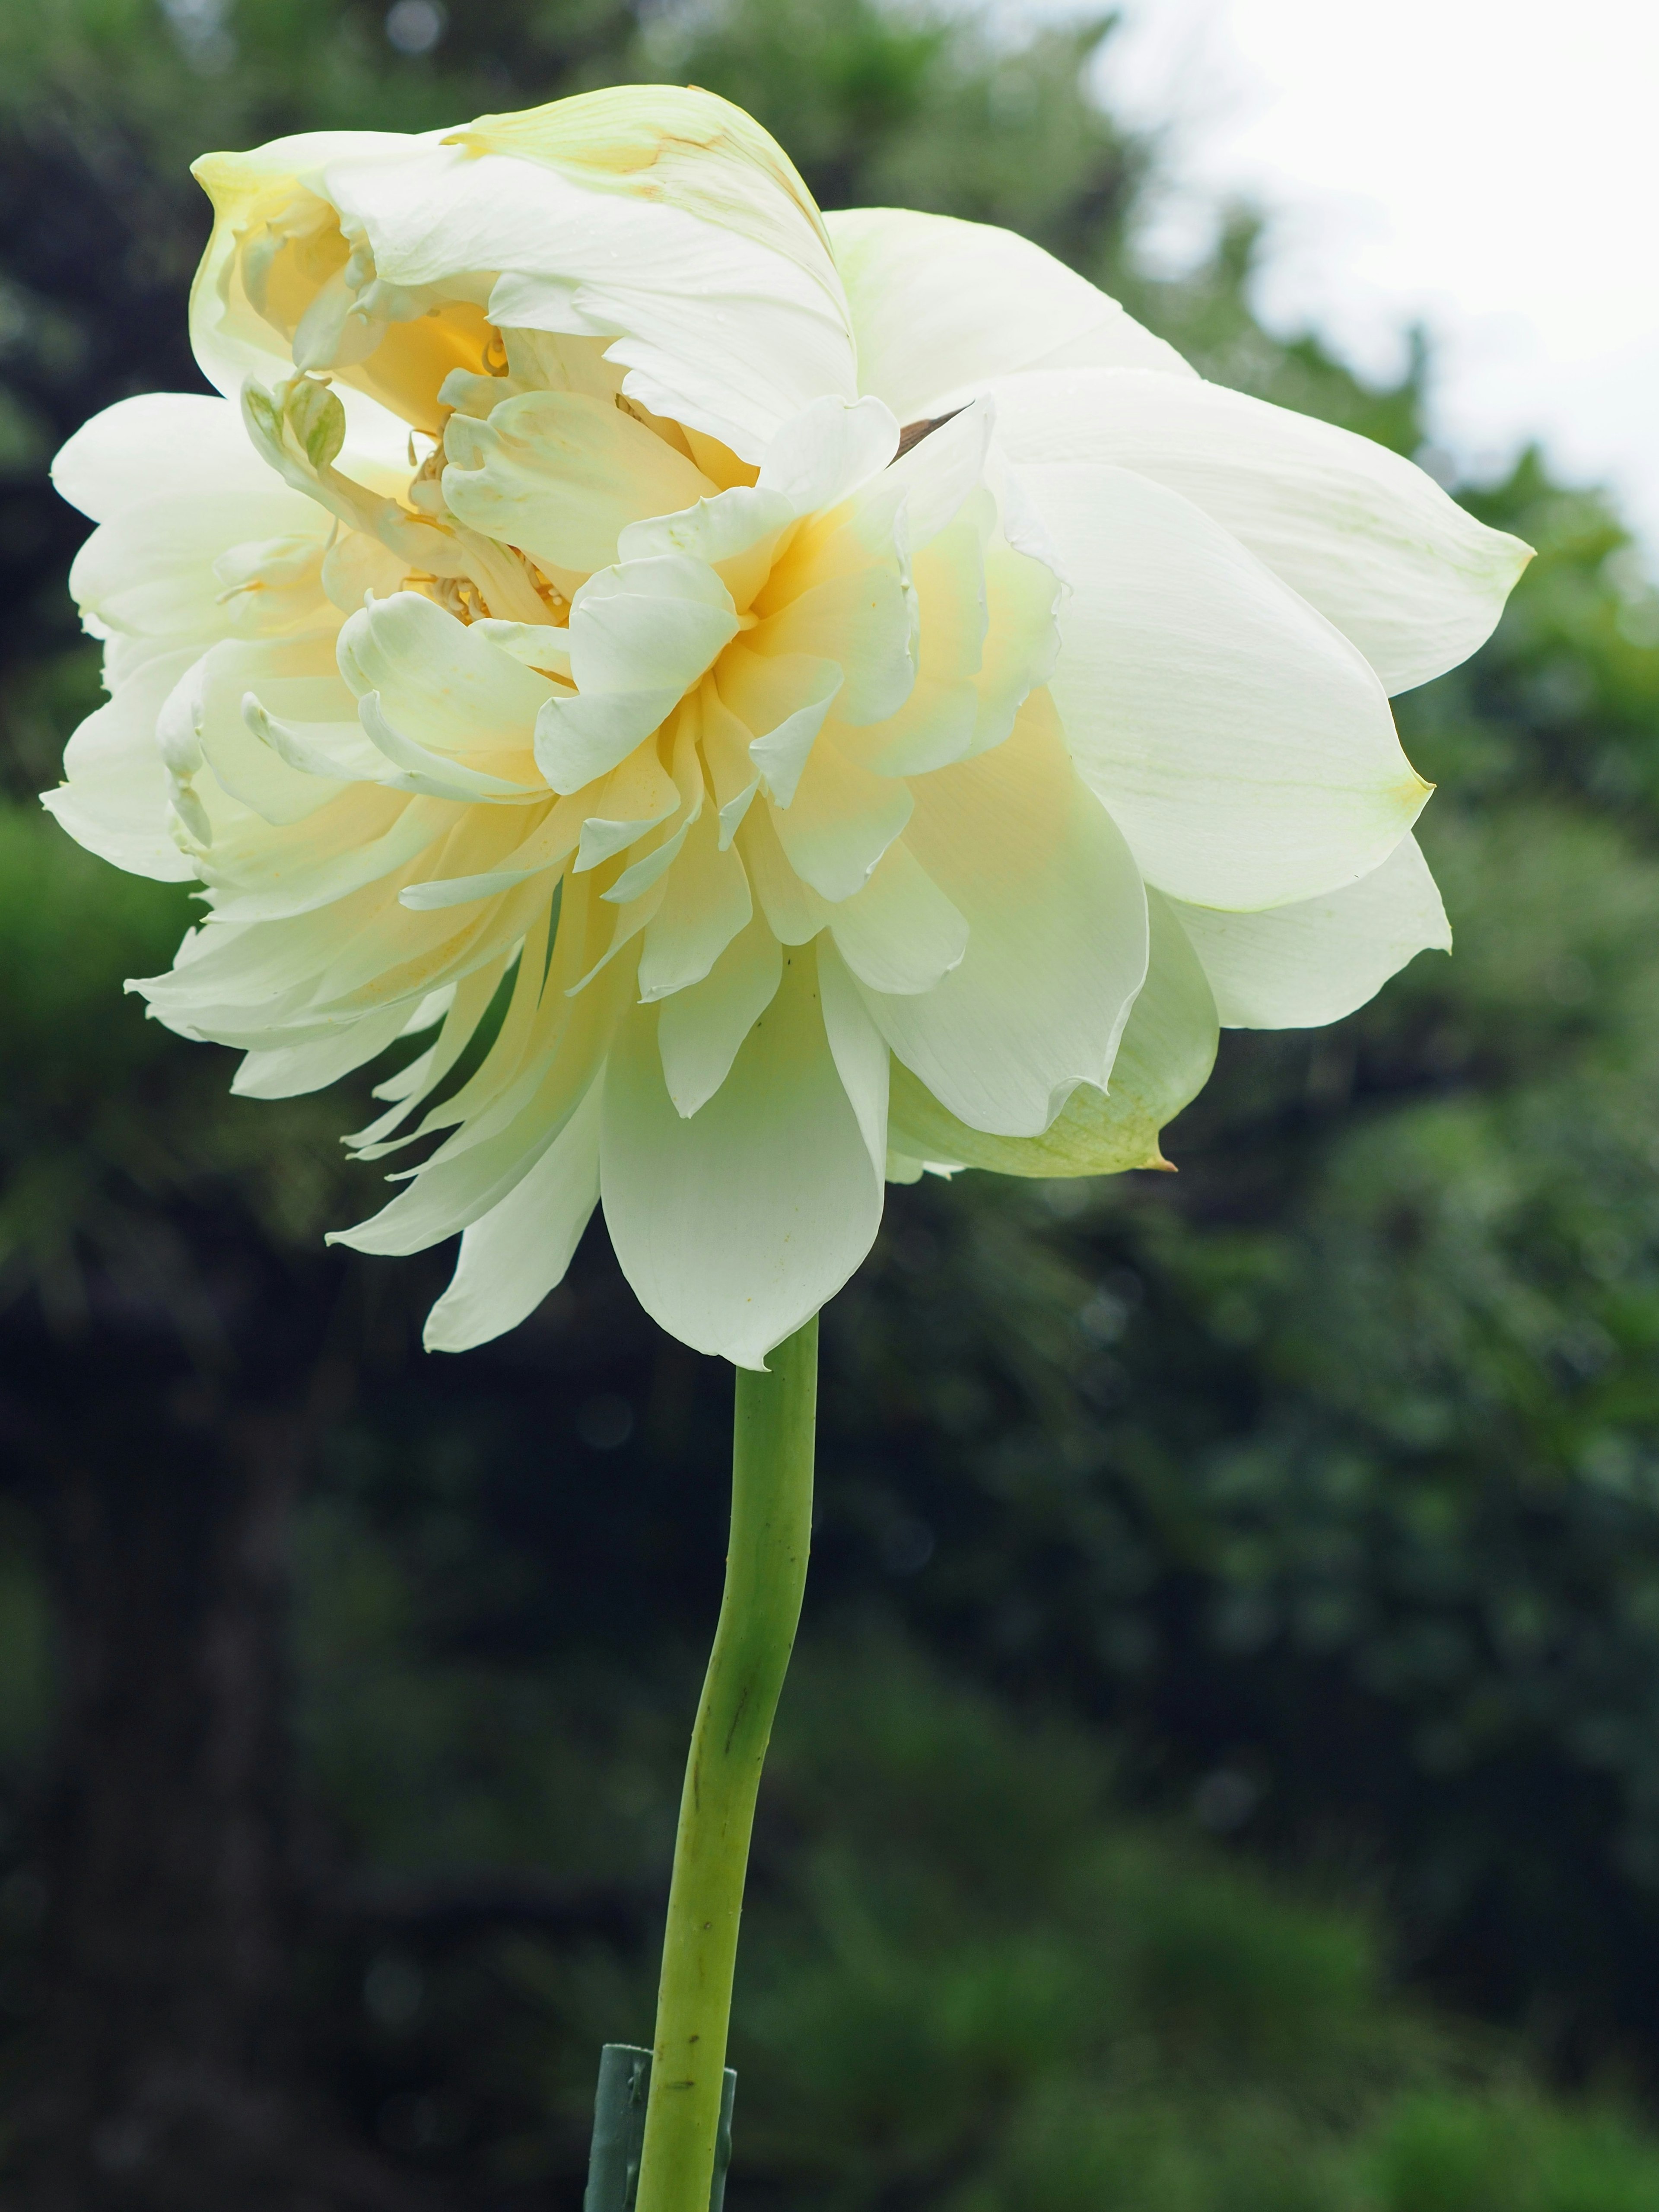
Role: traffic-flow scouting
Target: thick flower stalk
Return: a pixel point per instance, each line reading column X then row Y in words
column 822, row 697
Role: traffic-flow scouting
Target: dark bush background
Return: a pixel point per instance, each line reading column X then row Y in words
column 1224, row 1770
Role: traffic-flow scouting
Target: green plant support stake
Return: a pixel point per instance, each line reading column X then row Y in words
column 613, row 2165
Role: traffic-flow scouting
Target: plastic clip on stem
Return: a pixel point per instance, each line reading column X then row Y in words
column 774, row 1427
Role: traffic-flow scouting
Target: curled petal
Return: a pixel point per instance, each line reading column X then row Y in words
column 1300, row 966
column 1243, row 746
column 1364, row 536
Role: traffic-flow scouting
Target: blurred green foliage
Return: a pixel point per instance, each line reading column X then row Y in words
column 1320, row 1481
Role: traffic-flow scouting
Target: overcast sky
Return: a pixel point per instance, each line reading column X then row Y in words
column 1490, row 167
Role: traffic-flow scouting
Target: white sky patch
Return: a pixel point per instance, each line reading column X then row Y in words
column 1487, row 169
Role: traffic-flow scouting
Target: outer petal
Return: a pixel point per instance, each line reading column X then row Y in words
column 1244, row 747
column 1056, row 934
column 1162, row 1063
column 1363, row 535
column 177, row 444
column 514, row 1256
column 1298, row 967
column 116, row 799
column 942, row 307
column 734, row 1226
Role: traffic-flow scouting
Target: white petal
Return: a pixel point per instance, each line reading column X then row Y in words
column 714, row 329
column 706, row 904
column 703, row 1025
column 1243, row 746
column 1363, row 535
column 900, row 934
column 1297, row 967
column 440, row 684
column 562, row 475
column 1167, row 1051
column 116, row 799
column 511, row 1259
column 152, row 569
column 1057, row 933
column 839, row 822
column 823, row 454
column 860, row 1052
column 941, row 307
column 290, row 1070
column 734, row 1226
column 169, row 444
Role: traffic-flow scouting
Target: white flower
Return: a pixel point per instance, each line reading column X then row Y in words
column 837, row 693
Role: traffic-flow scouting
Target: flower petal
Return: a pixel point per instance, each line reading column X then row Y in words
column 172, row 444
column 561, row 475
column 115, row 799
column 729, row 1238
column 1244, row 747
column 515, row 1254
column 1057, row 933
column 1361, row 534
column 703, row 1026
column 1300, row 966
column 1163, row 1061
column 673, row 290
column 941, row 307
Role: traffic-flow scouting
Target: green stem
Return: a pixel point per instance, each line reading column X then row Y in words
column 774, row 1423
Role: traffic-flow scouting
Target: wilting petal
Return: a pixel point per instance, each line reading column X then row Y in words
column 1300, row 966
column 515, row 1254
column 1164, row 1061
column 941, row 307
column 1244, row 747
column 725, row 1241
column 1056, row 934
column 1364, row 536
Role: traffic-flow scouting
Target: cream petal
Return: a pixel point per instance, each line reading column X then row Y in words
column 519, row 1251
column 1300, row 966
column 899, row 935
column 116, row 799
column 291, row 1071
column 439, row 684
column 728, row 1243
column 674, row 291
column 649, row 625
column 1057, row 934
column 561, row 475
column 941, row 307
column 1361, row 534
column 859, row 1049
column 151, row 570
column 839, row 822
column 703, row 1026
column 1164, row 1061
column 707, row 902
column 862, row 623
column 827, row 452
column 1244, row 747
column 173, row 445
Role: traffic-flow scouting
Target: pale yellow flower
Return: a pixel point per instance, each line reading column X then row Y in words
column 836, row 690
